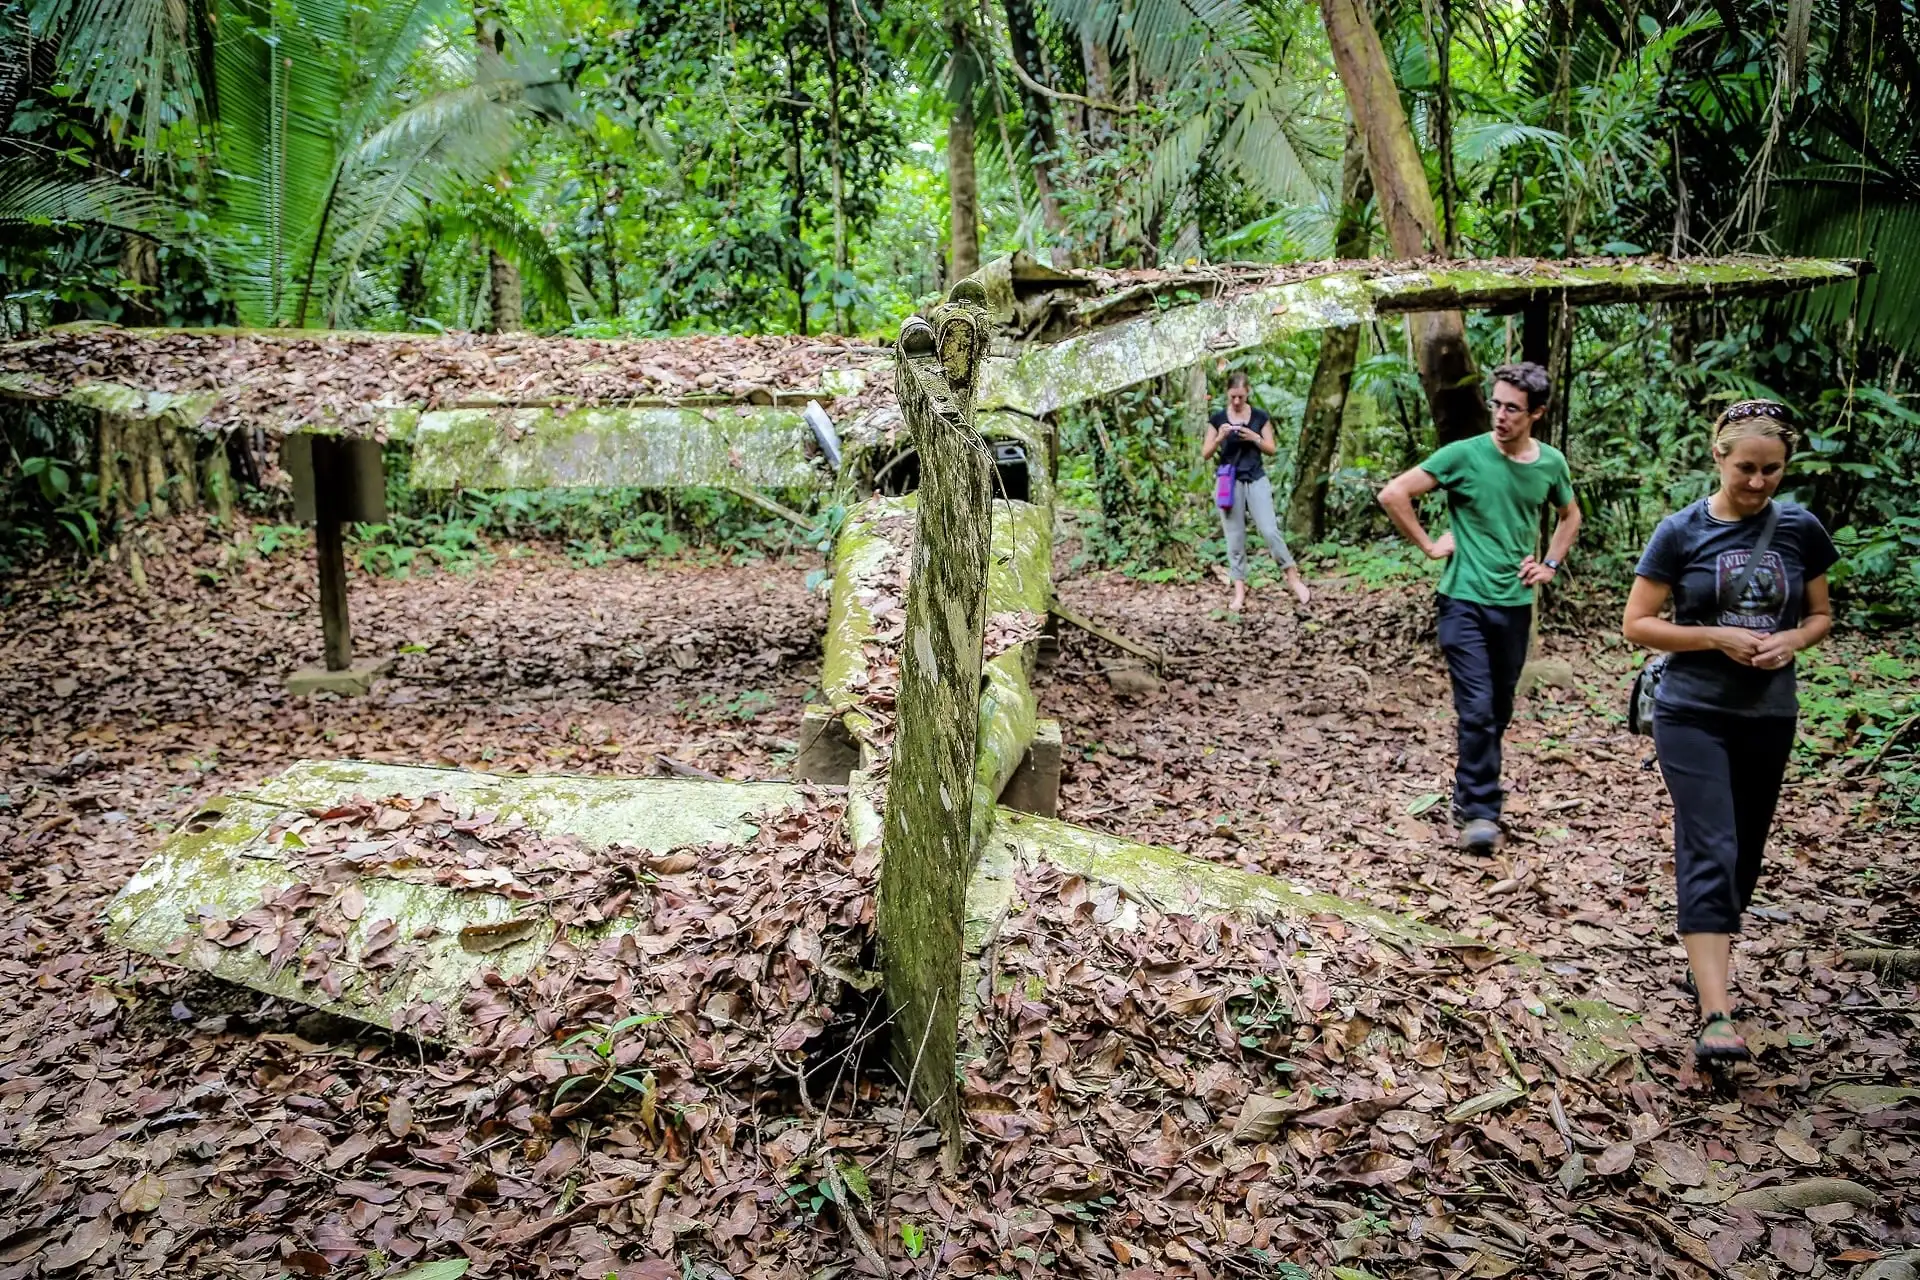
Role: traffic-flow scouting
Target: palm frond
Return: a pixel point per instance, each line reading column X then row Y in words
column 120, row 55
column 434, row 151
column 1260, row 144
column 32, row 197
column 505, row 227
column 1173, row 161
column 283, row 90
column 1876, row 220
column 1167, row 38
column 445, row 146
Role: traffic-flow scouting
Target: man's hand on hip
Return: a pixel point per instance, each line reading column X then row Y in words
column 1534, row 572
column 1441, row 547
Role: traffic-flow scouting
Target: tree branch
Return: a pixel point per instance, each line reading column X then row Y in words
column 1114, row 108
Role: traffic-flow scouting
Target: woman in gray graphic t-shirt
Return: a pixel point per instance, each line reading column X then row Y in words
column 1724, row 717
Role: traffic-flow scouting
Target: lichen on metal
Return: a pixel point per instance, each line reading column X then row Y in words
column 1042, row 378
column 226, row 860
column 1045, row 378
column 761, row 446
column 874, row 533
column 1592, row 1035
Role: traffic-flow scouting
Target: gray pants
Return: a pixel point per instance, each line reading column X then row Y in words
column 1255, row 496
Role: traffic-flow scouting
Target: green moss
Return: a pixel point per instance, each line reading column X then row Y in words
column 1045, row 378
column 647, row 813
column 1173, row 882
column 1042, row 379
column 861, row 552
column 1596, row 1034
column 759, row 446
column 225, row 868
column 1593, row 1035
column 182, row 408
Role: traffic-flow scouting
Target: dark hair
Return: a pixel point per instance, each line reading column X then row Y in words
column 1238, row 378
column 1754, row 419
column 1530, row 378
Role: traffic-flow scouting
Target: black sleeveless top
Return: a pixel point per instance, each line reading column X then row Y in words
column 1243, row 455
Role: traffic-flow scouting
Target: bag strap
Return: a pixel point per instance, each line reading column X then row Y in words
column 1739, row 583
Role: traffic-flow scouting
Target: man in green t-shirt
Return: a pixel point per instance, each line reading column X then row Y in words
column 1496, row 484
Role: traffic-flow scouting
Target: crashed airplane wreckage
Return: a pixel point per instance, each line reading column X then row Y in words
column 941, row 594
column 745, row 413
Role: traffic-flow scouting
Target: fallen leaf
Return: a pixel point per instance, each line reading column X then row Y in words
column 1793, row 1246
column 1798, row 1149
column 399, row 1116
column 1683, row 1164
column 144, row 1195
column 1492, row 1100
column 1617, row 1158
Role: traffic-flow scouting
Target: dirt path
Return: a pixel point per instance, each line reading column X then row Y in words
column 157, row 1124
column 1302, row 744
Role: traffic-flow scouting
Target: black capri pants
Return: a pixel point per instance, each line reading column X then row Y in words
column 1723, row 772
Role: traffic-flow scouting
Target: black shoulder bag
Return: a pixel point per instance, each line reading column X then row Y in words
column 1646, row 685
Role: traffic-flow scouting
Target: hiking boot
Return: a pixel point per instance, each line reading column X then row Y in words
column 1480, row 835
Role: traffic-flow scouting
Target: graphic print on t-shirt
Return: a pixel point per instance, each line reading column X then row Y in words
column 1762, row 597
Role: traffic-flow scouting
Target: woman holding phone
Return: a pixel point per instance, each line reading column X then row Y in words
column 1242, row 438
column 1747, row 577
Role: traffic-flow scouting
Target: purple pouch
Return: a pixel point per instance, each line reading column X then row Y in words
column 1223, row 487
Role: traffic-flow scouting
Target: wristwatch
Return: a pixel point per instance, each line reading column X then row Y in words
column 1552, row 564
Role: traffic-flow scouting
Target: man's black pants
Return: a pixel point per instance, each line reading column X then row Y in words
column 1485, row 646
column 1724, row 774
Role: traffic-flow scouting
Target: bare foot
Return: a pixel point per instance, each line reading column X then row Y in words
column 1300, row 591
column 1239, row 600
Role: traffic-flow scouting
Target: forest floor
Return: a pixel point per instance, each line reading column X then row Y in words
column 1163, row 1095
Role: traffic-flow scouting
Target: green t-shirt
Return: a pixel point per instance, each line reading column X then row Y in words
column 1494, row 503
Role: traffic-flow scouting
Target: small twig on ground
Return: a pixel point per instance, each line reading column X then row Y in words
column 1506, row 1052
column 768, row 505
column 267, row 1138
column 686, row 770
column 900, row 1133
column 862, row 1242
column 1887, row 744
column 527, row 1232
column 1156, row 656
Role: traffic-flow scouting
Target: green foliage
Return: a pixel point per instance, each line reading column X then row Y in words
column 1860, row 706
column 47, row 490
column 596, row 1049
column 314, row 172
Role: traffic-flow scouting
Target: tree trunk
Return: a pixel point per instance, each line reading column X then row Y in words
column 1099, row 71
column 1333, row 373
column 1449, row 218
column 1043, row 143
column 927, row 844
column 504, row 311
column 963, row 194
column 149, row 463
column 796, row 194
column 838, row 168
column 1447, row 372
column 140, row 266
column 612, row 259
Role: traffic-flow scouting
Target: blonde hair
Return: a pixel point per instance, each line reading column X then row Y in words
column 1753, row 420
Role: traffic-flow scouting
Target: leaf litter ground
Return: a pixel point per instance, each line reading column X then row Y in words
column 1148, row 1094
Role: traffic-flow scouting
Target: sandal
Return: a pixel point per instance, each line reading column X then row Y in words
column 1719, row 1041
column 1687, row 985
